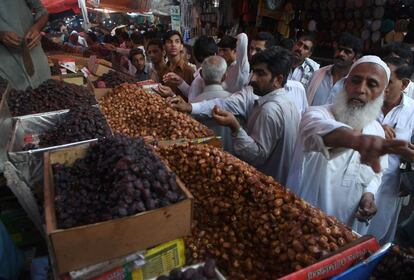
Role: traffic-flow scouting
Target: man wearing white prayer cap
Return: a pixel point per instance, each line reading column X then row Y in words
column 341, row 149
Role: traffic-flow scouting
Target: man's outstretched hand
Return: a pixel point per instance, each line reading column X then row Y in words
column 226, row 118
column 179, row 104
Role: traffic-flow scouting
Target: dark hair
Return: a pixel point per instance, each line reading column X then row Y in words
column 118, row 31
column 171, row 33
column 92, row 36
column 265, row 36
column 204, row 47
column 350, row 41
column 409, row 37
column 137, row 38
column 277, row 60
column 227, row 42
column 286, row 43
column 134, row 52
column 150, row 35
column 403, row 69
column 125, row 35
column 155, row 42
column 309, row 37
column 189, row 48
column 402, row 50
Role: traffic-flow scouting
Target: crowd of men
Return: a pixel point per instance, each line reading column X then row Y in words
column 337, row 136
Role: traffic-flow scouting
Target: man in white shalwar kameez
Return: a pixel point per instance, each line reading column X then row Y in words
column 272, row 119
column 338, row 157
column 397, row 119
column 21, row 22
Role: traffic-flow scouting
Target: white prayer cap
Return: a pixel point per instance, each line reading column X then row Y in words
column 373, row 59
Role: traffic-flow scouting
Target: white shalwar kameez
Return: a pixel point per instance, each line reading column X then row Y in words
column 332, row 179
column 384, row 224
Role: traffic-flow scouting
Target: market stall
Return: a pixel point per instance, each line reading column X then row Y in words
column 169, row 188
column 121, row 186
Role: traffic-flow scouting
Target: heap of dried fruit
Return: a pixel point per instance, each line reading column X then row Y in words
column 252, row 226
column 203, row 272
column 136, row 112
column 78, row 124
column 51, row 95
column 119, row 176
column 397, row 264
column 113, row 79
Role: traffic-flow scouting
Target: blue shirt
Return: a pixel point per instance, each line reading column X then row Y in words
column 327, row 91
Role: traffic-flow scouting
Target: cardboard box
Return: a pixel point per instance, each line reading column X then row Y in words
column 338, row 261
column 86, row 245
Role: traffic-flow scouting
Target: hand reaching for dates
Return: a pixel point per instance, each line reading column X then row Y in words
column 172, row 78
column 367, row 208
column 226, row 118
column 164, row 91
column 179, row 104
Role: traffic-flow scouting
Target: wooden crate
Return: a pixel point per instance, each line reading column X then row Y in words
column 86, row 245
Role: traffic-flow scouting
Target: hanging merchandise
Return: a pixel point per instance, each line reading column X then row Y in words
column 175, row 18
column 86, row 23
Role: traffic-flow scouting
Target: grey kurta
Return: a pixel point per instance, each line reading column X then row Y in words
column 271, row 130
column 16, row 16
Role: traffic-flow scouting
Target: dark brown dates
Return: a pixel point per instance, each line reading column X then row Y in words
column 115, row 179
column 113, row 79
column 78, row 124
column 51, row 95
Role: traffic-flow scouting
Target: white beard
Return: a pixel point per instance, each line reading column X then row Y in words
column 356, row 117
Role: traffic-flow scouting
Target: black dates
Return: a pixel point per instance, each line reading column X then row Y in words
column 51, row 95
column 115, row 179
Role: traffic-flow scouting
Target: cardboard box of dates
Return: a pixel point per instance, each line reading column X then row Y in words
column 119, row 211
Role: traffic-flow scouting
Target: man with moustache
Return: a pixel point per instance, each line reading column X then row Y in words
column 397, row 119
column 303, row 66
column 329, row 80
column 272, row 120
column 339, row 153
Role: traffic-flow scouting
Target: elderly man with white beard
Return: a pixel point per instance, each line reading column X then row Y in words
column 340, row 151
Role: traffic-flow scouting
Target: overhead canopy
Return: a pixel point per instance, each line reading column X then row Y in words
column 122, row 5
column 59, row 6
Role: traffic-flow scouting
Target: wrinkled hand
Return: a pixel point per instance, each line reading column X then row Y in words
column 402, row 148
column 164, row 91
column 226, row 118
column 371, row 148
column 179, row 104
column 172, row 78
column 10, row 39
column 32, row 38
column 367, row 208
column 389, row 132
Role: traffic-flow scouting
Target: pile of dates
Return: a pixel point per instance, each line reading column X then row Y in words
column 397, row 264
column 254, row 227
column 113, row 79
column 135, row 112
column 203, row 272
column 78, row 124
column 118, row 177
column 51, row 95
